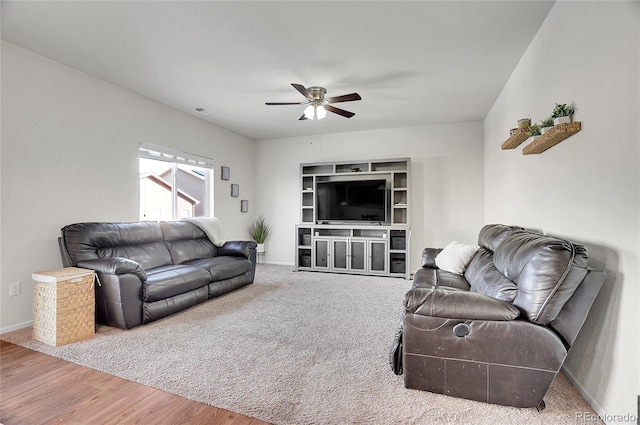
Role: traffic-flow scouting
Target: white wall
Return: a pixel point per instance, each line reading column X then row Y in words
column 586, row 188
column 446, row 180
column 70, row 154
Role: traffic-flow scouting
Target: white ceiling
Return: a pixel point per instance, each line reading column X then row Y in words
column 413, row 62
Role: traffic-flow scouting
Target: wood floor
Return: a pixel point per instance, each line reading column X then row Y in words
column 39, row 389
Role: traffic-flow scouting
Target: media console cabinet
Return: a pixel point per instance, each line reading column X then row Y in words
column 359, row 247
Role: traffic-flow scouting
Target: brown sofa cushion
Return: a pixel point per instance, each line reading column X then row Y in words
column 169, row 281
column 546, row 270
column 186, row 241
column 139, row 241
column 486, row 279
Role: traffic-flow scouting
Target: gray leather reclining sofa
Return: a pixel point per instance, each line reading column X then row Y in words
column 500, row 332
column 150, row 270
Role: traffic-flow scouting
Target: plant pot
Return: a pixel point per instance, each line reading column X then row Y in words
column 563, row 120
column 260, row 248
column 545, row 129
column 524, row 123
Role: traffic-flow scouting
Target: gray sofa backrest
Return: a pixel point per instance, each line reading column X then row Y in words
column 140, row 241
column 186, row 241
column 537, row 273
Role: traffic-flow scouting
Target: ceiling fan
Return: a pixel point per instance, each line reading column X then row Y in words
column 318, row 105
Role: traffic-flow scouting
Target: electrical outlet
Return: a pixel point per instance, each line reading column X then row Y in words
column 15, row 289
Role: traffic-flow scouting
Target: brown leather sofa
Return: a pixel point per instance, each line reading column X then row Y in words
column 149, row 270
column 500, row 332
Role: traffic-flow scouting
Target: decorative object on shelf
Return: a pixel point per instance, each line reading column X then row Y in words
column 259, row 231
column 244, row 205
column 225, row 173
column 547, row 124
column 552, row 137
column 563, row 113
column 235, row 190
column 517, row 135
column 534, row 131
column 524, row 123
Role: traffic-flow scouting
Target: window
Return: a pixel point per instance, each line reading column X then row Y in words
column 174, row 184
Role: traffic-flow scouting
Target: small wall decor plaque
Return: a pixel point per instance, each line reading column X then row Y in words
column 244, row 205
column 225, row 173
column 235, row 190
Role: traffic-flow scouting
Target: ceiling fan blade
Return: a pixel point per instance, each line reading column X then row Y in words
column 303, row 90
column 344, row 98
column 339, row 111
column 286, row 103
column 303, row 117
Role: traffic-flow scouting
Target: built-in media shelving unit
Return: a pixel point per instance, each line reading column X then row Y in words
column 364, row 247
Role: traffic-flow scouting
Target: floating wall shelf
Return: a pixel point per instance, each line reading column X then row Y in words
column 516, row 139
column 551, row 137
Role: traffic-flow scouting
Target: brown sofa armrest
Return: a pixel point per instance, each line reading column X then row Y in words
column 454, row 303
column 238, row 248
column 115, row 266
column 429, row 257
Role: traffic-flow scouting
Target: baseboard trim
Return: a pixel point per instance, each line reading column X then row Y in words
column 603, row 415
column 16, row 327
column 280, row 263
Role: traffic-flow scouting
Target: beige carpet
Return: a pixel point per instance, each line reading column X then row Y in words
column 293, row 348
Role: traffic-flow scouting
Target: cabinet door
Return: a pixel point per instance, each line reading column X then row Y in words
column 321, row 253
column 378, row 256
column 358, row 255
column 340, row 247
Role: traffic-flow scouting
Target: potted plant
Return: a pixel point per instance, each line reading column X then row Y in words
column 534, row 131
column 563, row 113
column 547, row 124
column 259, row 231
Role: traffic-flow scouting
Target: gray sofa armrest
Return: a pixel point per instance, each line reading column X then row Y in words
column 115, row 266
column 429, row 257
column 238, row 248
column 451, row 303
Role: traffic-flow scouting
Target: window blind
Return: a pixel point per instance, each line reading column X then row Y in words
column 160, row 153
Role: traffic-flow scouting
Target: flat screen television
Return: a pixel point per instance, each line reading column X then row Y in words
column 352, row 201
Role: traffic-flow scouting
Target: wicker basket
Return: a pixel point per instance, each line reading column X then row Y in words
column 63, row 305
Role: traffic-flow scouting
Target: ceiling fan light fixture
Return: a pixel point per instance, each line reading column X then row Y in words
column 321, row 112
column 317, row 104
column 309, row 112
column 315, row 112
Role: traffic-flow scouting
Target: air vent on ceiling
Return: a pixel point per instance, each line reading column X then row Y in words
column 202, row 111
